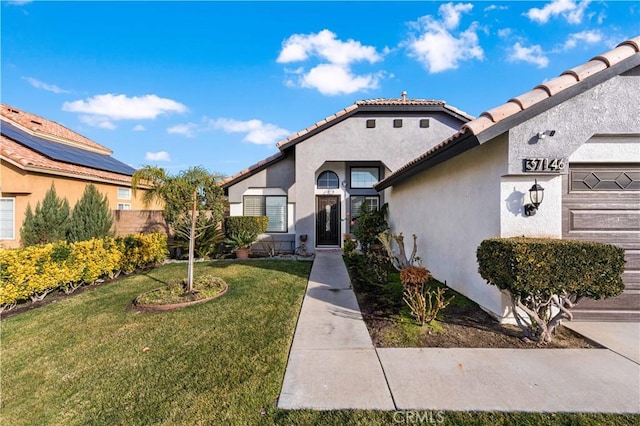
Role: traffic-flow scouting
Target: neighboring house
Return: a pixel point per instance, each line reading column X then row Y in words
column 322, row 175
column 36, row 153
column 578, row 135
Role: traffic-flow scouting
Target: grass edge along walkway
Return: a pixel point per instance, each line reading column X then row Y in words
column 90, row 359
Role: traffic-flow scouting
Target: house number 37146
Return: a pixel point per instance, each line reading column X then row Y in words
column 543, row 164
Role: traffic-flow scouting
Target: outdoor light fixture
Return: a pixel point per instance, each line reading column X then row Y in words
column 542, row 135
column 536, row 194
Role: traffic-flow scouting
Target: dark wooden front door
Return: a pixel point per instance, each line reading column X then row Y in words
column 328, row 220
column 602, row 203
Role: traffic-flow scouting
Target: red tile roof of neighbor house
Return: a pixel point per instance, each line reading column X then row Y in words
column 40, row 125
column 28, row 159
column 335, row 118
column 524, row 102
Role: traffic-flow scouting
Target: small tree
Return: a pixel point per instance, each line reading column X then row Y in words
column 49, row 222
column 186, row 196
column 91, row 217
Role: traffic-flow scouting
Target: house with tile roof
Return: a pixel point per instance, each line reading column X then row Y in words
column 577, row 136
column 36, row 153
column 322, row 175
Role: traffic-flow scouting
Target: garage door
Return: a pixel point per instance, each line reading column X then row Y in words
column 602, row 203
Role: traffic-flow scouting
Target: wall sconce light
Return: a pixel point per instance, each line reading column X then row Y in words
column 344, row 184
column 536, row 194
column 542, row 135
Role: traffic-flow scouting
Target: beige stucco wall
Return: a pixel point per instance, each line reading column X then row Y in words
column 452, row 208
column 30, row 188
column 351, row 141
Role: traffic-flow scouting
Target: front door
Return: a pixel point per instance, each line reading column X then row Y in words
column 328, row 220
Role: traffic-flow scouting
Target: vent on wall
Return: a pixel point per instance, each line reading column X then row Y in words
column 397, row 122
column 424, row 123
column 371, row 124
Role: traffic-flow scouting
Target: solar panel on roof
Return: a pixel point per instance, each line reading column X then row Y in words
column 67, row 154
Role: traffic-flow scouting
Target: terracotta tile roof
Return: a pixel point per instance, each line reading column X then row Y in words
column 255, row 168
column 521, row 103
column 28, row 159
column 340, row 115
column 40, row 125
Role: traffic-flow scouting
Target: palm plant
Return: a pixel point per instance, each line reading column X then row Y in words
column 185, row 196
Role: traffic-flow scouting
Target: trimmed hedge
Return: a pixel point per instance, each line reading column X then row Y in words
column 547, row 278
column 527, row 266
column 33, row 272
column 253, row 225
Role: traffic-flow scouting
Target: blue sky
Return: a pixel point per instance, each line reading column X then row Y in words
column 217, row 84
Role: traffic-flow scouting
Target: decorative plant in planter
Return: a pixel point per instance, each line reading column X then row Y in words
column 241, row 242
column 423, row 302
column 176, row 295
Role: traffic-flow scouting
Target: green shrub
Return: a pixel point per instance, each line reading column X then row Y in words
column 33, row 272
column 91, row 216
column 541, row 274
column 254, row 225
column 139, row 250
column 49, row 222
column 208, row 236
column 370, row 224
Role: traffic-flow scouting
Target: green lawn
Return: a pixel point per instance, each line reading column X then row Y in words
column 82, row 360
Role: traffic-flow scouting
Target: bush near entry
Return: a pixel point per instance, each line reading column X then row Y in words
column 541, row 274
column 33, row 272
column 253, row 225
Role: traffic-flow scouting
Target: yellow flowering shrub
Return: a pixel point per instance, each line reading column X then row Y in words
column 139, row 250
column 35, row 271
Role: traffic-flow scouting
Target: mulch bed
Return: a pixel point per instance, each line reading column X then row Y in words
column 460, row 325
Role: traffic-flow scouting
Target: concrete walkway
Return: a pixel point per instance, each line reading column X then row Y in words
column 333, row 365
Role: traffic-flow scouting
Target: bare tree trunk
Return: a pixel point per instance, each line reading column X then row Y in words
column 192, row 237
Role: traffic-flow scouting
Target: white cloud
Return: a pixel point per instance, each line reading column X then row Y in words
column 495, row 7
column 570, row 10
column 533, row 55
column 325, row 45
column 586, row 37
column 157, row 156
column 187, row 129
column 333, row 75
column 139, row 128
column 109, row 107
column 44, row 86
column 451, row 13
column 97, row 121
column 256, row 131
column 504, row 32
column 437, row 47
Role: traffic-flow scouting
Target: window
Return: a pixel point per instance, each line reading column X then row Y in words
column 364, row 177
column 7, row 218
column 371, row 124
column 397, row 122
column 124, row 193
column 272, row 206
column 357, row 201
column 124, row 206
column 328, row 180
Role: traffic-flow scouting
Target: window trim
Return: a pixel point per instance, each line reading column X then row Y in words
column 122, row 188
column 352, row 168
column 264, row 204
column 13, row 219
